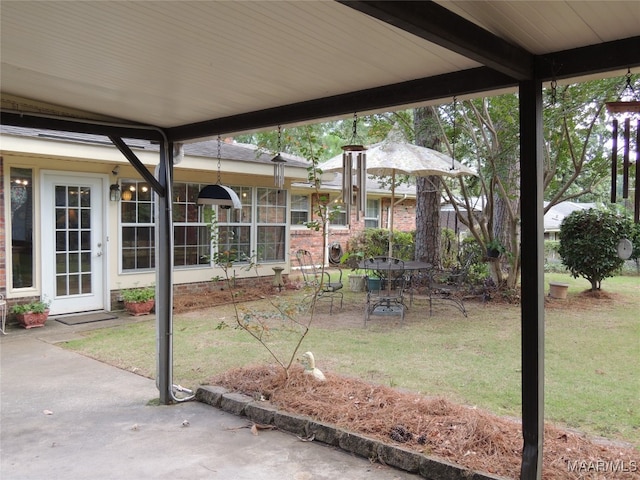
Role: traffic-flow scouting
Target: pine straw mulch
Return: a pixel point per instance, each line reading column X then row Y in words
column 187, row 302
column 466, row 436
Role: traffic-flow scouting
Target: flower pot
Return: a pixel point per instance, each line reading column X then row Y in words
column 558, row 290
column 356, row 283
column 139, row 308
column 493, row 253
column 374, row 284
column 32, row 320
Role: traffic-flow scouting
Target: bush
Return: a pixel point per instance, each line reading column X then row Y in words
column 374, row 242
column 471, row 254
column 588, row 244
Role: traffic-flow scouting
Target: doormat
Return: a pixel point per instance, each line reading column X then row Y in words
column 86, row 318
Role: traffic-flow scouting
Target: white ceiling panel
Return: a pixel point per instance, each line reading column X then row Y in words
column 546, row 26
column 171, row 63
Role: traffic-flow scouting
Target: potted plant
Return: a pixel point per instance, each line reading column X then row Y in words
column 353, row 261
column 494, row 248
column 33, row 314
column 139, row 300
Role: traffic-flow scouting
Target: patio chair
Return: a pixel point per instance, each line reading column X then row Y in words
column 319, row 280
column 386, row 281
column 448, row 285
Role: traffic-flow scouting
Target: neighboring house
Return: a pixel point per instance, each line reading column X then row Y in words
column 64, row 238
column 554, row 217
column 339, row 230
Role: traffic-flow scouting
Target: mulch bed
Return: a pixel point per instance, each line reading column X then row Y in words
column 466, row 436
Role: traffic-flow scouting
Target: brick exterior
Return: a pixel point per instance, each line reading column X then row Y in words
column 404, row 220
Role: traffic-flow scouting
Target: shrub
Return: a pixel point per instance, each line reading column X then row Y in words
column 588, row 242
column 374, row 242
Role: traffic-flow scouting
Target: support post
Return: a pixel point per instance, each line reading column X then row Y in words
column 164, row 274
column 532, row 307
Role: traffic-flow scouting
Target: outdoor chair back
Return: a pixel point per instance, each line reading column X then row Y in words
column 318, row 280
column 386, row 282
column 449, row 285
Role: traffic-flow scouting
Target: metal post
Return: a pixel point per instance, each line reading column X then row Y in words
column 164, row 275
column 532, row 308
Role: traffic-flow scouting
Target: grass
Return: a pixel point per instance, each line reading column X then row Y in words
column 592, row 349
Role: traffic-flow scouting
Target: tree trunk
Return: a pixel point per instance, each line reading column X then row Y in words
column 428, row 192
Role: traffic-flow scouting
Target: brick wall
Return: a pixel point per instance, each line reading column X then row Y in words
column 404, row 220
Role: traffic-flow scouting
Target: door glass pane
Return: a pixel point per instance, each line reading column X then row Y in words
column 85, row 197
column 73, row 240
column 74, row 284
column 74, row 262
column 61, row 286
column 86, row 283
column 61, row 196
column 61, row 262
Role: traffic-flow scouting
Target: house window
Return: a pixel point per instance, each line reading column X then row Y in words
column 299, row 209
column 337, row 215
column 192, row 239
column 258, row 228
column 22, row 227
column 372, row 214
column 137, row 216
column 272, row 219
column 234, row 228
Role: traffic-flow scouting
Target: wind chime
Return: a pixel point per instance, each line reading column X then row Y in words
column 624, row 111
column 354, row 159
column 278, row 163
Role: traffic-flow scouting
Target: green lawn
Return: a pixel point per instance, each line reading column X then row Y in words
column 592, row 351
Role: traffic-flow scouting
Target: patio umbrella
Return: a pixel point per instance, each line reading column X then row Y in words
column 395, row 155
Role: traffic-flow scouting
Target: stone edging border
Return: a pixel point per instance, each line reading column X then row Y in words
column 266, row 414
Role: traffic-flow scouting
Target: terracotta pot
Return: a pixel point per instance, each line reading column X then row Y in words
column 139, row 308
column 32, row 320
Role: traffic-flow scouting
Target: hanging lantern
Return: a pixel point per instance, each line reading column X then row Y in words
column 354, row 159
column 114, row 188
column 278, row 164
column 625, row 111
column 219, row 194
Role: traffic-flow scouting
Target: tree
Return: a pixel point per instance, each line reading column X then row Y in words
column 428, row 191
column 588, row 242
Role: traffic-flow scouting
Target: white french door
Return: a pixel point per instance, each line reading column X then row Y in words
column 73, row 260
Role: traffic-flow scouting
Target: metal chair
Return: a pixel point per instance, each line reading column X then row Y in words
column 319, row 280
column 386, row 281
column 449, row 286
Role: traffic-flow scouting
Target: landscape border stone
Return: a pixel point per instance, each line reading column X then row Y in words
column 264, row 413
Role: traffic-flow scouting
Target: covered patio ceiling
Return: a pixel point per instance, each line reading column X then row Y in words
column 197, row 69
column 177, row 71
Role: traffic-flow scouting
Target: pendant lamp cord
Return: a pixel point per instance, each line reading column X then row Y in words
column 219, row 157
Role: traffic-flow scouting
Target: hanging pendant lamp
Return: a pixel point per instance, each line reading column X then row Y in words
column 219, row 194
column 354, row 157
column 278, row 163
